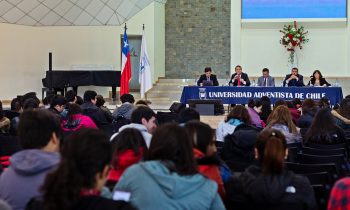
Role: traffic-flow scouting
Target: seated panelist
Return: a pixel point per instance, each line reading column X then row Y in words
column 266, row 80
column 239, row 78
column 318, row 80
column 293, row 79
column 209, row 77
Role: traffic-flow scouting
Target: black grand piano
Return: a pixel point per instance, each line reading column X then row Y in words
column 62, row 79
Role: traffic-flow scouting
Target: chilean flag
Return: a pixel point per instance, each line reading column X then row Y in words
column 126, row 66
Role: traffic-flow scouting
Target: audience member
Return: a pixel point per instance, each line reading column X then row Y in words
column 269, row 183
column 100, row 101
column 208, row 77
column 281, row 119
column 128, row 149
column 239, row 78
column 143, row 102
column 338, row 200
column 28, row 104
column 80, row 100
column 47, row 101
column 266, row 80
column 318, row 80
column 324, row 130
column 126, row 108
column 238, row 115
column 308, row 111
column 280, row 102
column 4, row 121
column 143, row 119
column 169, row 175
column 204, row 149
column 71, row 96
column 254, row 109
column 265, row 108
column 4, row 205
column 238, row 149
column 81, row 174
column 57, row 104
column 39, row 134
column 30, row 95
column 76, row 120
column 324, row 103
column 295, row 109
column 90, row 109
column 15, row 110
column 187, row 114
column 293, row 79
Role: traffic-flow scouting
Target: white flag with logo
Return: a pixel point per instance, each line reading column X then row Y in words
column 145, row 77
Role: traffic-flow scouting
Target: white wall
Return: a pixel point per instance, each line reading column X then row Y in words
column 24, row 50
column 328, row 49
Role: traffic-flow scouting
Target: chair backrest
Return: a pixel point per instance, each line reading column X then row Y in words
column 165, row 117
column 323, row 152
column 338, row 160
column 330, row 168
column 326, row 146
column 292, row 154
column 322, row 178
column 275, row 206
column 321, row 195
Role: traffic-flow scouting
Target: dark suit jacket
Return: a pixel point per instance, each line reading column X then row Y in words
column 322, row 82
column 213, row 78
column 244, row 76
column 294, row 82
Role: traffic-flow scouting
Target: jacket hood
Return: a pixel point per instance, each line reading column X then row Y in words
column 33, row 161
column 266, row 187
column 172, row 184
column 137, row 126
column 245, row 136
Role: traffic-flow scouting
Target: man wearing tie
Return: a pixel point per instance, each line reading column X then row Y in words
column 239, row 78
column 266, row 80
column 208, row 76
column 293, row 79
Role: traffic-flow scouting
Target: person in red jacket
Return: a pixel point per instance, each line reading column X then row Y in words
column 128, row 149
column 204, row 150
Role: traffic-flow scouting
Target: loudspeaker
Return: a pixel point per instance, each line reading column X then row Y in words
column 207, row 106
column 177, row 107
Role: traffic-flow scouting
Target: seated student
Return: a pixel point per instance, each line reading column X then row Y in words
column 100, row 101
column 168, row 179
column 295, row 109
column 318, row 80
column 239, row 78
column 57, row 104
column 338, row 200
column 293, row 79
column 308, row 111
column 204, row 150
column 90, row 109
column 39, row 134
column 128, row 149
column 265, row 108
column 126, row 108
column 266, row 80
column 80, row 176
column 208, row 76
column 270, row 183
column 324, row 130
column 76, row 120
column 254, row 109
column 343, row 115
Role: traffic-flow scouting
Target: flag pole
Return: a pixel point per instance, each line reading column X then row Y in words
column 143, row 29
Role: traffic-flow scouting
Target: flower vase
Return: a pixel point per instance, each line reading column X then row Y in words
column 293, row 59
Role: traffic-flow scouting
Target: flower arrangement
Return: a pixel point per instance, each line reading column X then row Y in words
column 292, row 38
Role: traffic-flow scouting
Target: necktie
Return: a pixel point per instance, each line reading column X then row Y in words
column 239, row 80
column 265, row 82
column 208, row 79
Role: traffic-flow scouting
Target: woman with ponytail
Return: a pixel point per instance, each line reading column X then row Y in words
column 269, row 183
column 78, row 180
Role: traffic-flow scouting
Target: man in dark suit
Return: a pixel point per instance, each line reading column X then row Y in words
column 266, row 80
column 208, row 76
column 239, row 78
column 293, row 79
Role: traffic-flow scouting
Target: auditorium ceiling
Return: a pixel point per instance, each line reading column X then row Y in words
column 69, row 12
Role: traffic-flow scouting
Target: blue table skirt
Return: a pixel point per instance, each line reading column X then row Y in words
column 241, row 95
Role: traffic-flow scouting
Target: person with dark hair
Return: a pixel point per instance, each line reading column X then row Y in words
column 90, row 109
column 324, row 103
column 143, row 119
column 188, row 114
column 30, row 104
column 324, row 130
column 280, row 102
column 71, row 96
column 80, row 100
column 76, row 120
column 81, row 174
column 269, row 183
column 293, row 79
column 254, row 109
column 47, row 100
column 238, row 115
column 39, row 134
column 57, row 105
column 239, row 78
column 343, row 115
column 207, row 77
column 143, row 102
column 281, row 119
column 30, row 95
column 169, row 175
column 318, row 80
column 308, row 111
column 204, row 149
column 265, row 108
column 100, row 101
column 126, row 108
column 266, row 80
column 128, row 149
column 295, row 109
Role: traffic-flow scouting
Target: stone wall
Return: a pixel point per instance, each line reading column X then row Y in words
column 197, row 34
